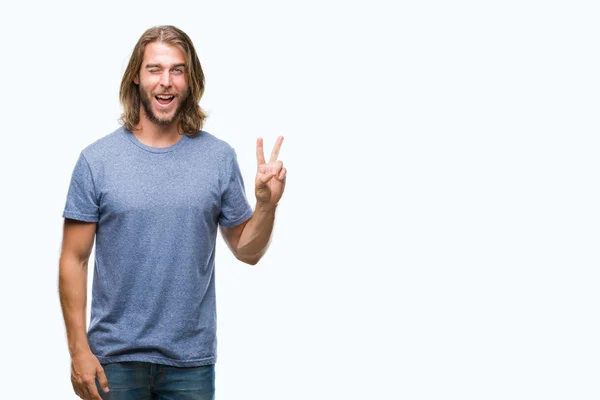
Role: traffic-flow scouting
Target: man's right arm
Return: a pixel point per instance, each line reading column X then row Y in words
column 78, row 240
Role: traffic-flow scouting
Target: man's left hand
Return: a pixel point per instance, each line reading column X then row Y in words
column 270, row 177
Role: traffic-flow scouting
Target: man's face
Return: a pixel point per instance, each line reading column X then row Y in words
column 162, row 83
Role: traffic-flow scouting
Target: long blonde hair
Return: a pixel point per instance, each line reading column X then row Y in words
column 192, row 116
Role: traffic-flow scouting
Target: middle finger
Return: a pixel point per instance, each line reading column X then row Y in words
column 276, row 148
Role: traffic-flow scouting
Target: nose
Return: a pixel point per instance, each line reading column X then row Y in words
column 165, row 79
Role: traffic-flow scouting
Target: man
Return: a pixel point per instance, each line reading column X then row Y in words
column 152, row 194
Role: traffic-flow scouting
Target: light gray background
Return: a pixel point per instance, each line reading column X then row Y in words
column 438, row 237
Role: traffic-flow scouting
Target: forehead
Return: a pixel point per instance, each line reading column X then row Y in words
column 162, row 53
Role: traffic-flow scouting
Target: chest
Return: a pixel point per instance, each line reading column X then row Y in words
column 164, row 186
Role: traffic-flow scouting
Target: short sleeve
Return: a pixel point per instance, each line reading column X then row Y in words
column 235, row 208
column 82, row 203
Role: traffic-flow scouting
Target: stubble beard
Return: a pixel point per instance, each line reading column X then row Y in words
column 146, row 101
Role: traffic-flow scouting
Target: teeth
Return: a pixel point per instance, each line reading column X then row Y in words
column 164, row 97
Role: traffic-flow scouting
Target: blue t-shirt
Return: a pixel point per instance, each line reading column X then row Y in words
column 157, row 212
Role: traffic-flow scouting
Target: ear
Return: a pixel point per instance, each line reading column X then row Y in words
column 136, row 80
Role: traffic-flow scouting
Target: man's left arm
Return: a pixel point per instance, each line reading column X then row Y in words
column 250, row 240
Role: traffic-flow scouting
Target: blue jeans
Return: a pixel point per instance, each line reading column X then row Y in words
column 148, row 381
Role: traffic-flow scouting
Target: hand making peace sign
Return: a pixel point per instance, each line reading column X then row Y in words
column 270, row 177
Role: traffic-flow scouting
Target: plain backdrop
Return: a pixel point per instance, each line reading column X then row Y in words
column 438, row 237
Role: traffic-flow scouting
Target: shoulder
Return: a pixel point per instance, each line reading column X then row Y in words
column 211, row 145
column 106, row 147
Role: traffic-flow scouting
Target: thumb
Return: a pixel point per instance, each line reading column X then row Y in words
column 102, row 379
column 263, row 179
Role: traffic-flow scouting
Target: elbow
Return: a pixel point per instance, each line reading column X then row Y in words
column 72, row 262
column 249, row 260
column 245, row 255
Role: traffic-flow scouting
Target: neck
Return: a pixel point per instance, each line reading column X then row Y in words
column 156, row 135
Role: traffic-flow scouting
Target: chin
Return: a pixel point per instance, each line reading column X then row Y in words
column 163, row 122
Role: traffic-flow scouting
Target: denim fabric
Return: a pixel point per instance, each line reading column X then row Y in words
column 146, row 381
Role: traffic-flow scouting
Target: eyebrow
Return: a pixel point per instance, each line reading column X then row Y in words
column 160, row 66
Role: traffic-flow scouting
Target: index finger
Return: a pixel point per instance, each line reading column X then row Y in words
column 92, row 390
column 260, row 155
column 275, row 152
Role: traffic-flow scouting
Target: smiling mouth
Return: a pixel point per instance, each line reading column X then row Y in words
column 164, row 99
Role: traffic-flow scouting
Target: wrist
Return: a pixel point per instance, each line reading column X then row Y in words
column 265, row 207
column 78, row 348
